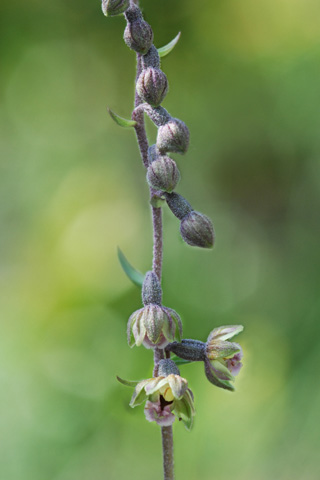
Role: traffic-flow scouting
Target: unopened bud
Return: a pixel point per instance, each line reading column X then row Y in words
column 163, row 174
column 178, row 205
column 167, row 367
column 197, row 230
column 151, row 289
column 114, row 7
column 173, row 137
column 151, row 58
column 152, row 86
column 138, row 34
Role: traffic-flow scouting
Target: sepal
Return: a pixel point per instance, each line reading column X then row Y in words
column 224, row 332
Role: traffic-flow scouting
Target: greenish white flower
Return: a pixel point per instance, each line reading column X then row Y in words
column 167, row 397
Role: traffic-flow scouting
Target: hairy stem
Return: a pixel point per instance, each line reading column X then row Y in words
column 167, row 448
column 157, row 241
column 138, row 116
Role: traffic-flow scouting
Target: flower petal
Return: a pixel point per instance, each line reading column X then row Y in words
column 177, row 320
column 225, row 332
column 184, row 411
column 155, row 385
column 138, row 328
column 214, row 379
column 220, row 370
column 221, row 349
column 139, row 394
column 132, row 319
column 178, row 385
column 169, row 327
column 153, row 319
column 234, row 364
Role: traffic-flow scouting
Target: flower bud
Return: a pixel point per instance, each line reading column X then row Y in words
column 173, row 137
column 151, row 289
column 166, row 367
column 163, row 174
column 151, row 58
column 114, row 7
column 138, row 34
column 197, row 230
column 178, row 205
column 152, row 86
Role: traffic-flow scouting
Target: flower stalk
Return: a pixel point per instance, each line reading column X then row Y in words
column 166, row 395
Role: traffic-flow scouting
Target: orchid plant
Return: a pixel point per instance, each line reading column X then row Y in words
column 166, row 395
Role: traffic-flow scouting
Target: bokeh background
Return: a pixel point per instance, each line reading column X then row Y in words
column 245, row 78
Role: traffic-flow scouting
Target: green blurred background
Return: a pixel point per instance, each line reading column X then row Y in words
column 245, row 78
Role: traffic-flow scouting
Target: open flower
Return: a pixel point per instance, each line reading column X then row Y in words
column 167, row 396
column 223, row 358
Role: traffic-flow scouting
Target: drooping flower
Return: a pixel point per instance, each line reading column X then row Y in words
column 222, row 359
column 153, row 325
column 167, row 396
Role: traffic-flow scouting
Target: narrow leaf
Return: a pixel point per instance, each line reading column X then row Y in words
column 127, row 383
column 163, row 51
column 180, row 361
column 123, row 122
column 135, row 276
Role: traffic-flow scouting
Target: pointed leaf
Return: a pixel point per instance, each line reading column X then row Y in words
column 163, row 51
column 123, row 122
column 127, row 383
column 135, row 276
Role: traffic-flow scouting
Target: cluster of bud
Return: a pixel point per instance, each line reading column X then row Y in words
column 196, row 228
